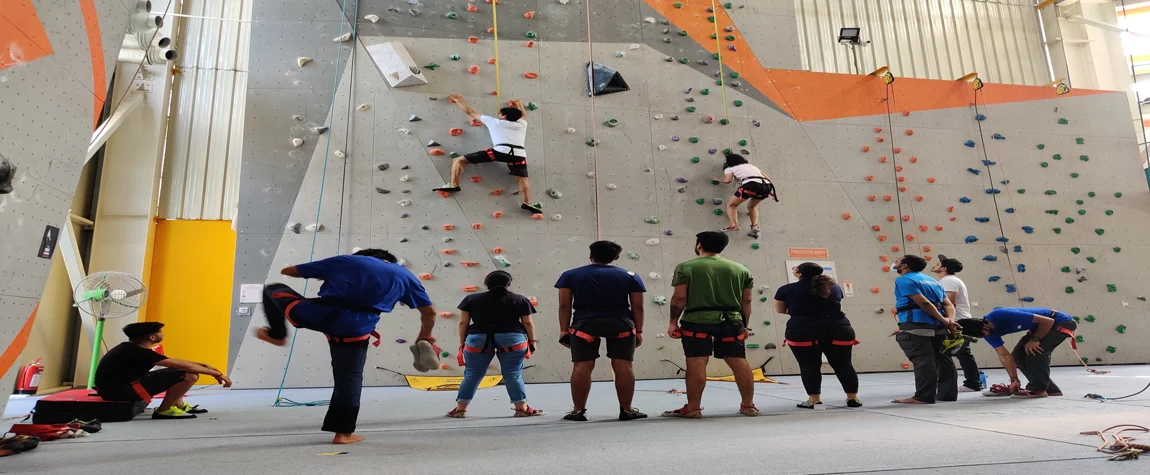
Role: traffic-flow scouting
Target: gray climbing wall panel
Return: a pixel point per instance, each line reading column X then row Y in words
column 47, row 107
column 820, row 167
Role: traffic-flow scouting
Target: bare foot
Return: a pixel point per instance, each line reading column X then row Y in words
column 909, row 400
column 262, row 334
column 342, row 439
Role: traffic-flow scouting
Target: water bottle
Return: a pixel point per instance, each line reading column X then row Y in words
column 982, row 379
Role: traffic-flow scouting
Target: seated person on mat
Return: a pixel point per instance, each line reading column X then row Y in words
column 124, row 374
column 508, row 136
column 1045, row 330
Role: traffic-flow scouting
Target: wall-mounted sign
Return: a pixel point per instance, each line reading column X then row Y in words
column 808, row 253
column 48, row 242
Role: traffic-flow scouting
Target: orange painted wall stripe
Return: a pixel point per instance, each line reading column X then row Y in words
column 808, row 96
column 8, row 358
column 96, row 50
column 21, row 34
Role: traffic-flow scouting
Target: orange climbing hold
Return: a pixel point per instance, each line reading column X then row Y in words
column 950, row 209
column 469, row 288
column 477, row 226
column 469, row 263
column 498, row 250
column 846, row 216
column 497, row 192
column 897, row 150
column 874, row 290
column 929, row 258
column 887, row 197
column 473, row 69
column 925, row 248
column 878, row 130
column 424, row 276
column 931, row 180
column 901, row 179
column 537, row 217
column 886, row 268
column 884, row 258
column 898, row 168
column 865, row 149
column 436, row 152
column 882, row 159
column 447, row 251
column 904, row 113
column 472, row 8
column 890, row 218
column 491, row 30
column 455, row 132
column 476, row 179
column 497, row 3
column 913, row 159
column 919, row 198
column 895, row 248
column 870, row 178
column 880, row 139
column 909, row 237
column 497, row 214
column 448, row 227
column 872, row 198
column 531, row 75
column 906, row 217
column 923, row 228
column 490, row 60
column 443, row 194
column 473, row 39
column 906, row 365
column 876, row 228
column 443, row 366
column 476, row 123
column 529, row 15
column 938, row 228
column 902, row 189
column 530, row 44
column 882, row 237
column 909, row 132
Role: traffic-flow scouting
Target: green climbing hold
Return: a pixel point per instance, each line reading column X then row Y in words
column 714, row 55
column 700, row 200
column 762, row 299
column 1084, row 360
column 695, row 159
column 678, row 5
column 714, row 182
column 1069, row 289
column 726, row 151
column 1079, row 338
column 690, row 108
column 1069, row 220
column 651, row 220
column 1117, row 249
column 1091, row 259
column 718, row 82
column 1091, row 194
column 1057, row 156
column 714, row 36
column 684, row 60
column 1044, row 164
column 682, row 33
column 453, row 155
column 1066, row 269
column 1079, row 141
column 1076, row 319
column 1120, row 328
column 451, row 15
column 734, row 75
column 444, row 354
column 1099, row 231
column 1074, row 175
column 1057, row 230
column 724, row 121
column 728, row 5
column 431, row 66
column 1085, row 158
column 1118, row 195
column 738, row 103
column 730, row 38
column 454, row 57
column 1081, row 212
column 1041, row 146
column 743, row 143
column 531, row 106
column 1063, row 121
column 718, row 212
column 1050, row 192
column 1109, row 212
column 661, row 348
column 754, row 245
column 633, row 255
column 711, row 18
column 1052, row 211
column 1111, row 288
column 531, row 34
column 766, row 323
column 611, row 122
column 705, row 92
column 1075, row 250
column 1090, row 318
column 1080, row 202
column 693, row 140
column 1022, row 191
column 752, row 346
column 1111, row 349
column 591, row 142
column 659, row 300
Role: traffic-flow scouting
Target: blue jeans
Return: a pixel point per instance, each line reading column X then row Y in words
column 510, row 362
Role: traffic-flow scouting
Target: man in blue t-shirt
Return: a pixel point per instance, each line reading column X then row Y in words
column 1045, row 330
column 355, row 290
column 925, row 319
column 608, row 304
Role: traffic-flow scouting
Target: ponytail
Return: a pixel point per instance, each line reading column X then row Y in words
column 497, row 283
column 821, row 286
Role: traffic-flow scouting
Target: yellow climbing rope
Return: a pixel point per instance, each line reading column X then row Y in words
column 722, row 74
column 495, row 31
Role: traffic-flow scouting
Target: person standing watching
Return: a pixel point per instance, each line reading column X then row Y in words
column 955, row 288
column 925, row 319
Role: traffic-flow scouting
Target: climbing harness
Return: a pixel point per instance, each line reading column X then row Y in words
column 1119, row 446
column 489, row 347
column 911, row 307
column 804, row 344
column 589, row 338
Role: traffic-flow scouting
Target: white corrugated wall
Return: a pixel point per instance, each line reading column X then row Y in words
column 935, row 39
column 202, row 162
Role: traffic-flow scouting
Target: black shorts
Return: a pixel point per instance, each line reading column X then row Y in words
column 603, row 329
column 694, row 347
column 755, row 190
column 154, row 383
column 516, row 166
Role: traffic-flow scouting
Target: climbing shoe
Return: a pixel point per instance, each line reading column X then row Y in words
column 448, row 189
column 190, row 409
column 172, row 413
column 684, row 412
column 854, row 402
column 93, row 426
column 528, row 412
column 749, row 411
column 426, row 359
column 730, row 229
column 1028, row 394
column 579, row 416
column 808, row 404
column 997, row 390
column 754, row 232
column 625, row 415
column 532, row 208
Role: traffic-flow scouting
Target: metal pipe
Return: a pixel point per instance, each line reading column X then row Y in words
column 151, row 56
column 145, row 21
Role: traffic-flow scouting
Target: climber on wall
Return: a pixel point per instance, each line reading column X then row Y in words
column 754, row 185
column 1045, row 330
column 356, row 289
column 508, row 136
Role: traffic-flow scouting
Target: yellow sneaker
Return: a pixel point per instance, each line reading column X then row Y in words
column 190, row 409
column 172, row 413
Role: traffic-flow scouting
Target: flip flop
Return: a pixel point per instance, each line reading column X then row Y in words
column 457, row 413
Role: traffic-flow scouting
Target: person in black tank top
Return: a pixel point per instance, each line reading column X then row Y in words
column 818, row 327
column 496, row 323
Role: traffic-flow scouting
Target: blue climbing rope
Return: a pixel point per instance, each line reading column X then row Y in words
column 282, row 401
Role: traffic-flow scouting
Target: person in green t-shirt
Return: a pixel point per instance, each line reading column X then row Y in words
column 713, row 299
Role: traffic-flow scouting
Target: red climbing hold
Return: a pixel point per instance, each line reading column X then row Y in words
column 424, row 276
column 469, row 288
column 938, row 228
column 882, row 237
column 469, row 263
column 443, row 194
column 886, row 268
column 529, row 15
column 909, row 132
column 909, row 237
column 874, row 290
column 490, row 60
column 473, row 69
column 491, row 30
column 954, row 219
column 906, row 217
column 878, row 130
column 476, row 226
column 898, row 168
column 906, row 365
column 919, row 198
column 436, row 152
column 950, row 209
column 846, row 216
column 455, row 132
column 448, row 227
column 492, row 93
column 476, row 123
column 498, row 250
column 913, row 159
column 530, row 75
column 895, row 248
column 537, row 217
column 884, row 258
column 897, row 150
column 497, row 192
column 476, row 179
column 865, row 149
column 472, row 8
column 902, row 189
column 931, row 180
column 530, row 44
column 497, row 214
column 901, row 179
column 870, row 178
column 929, row 258
column 876, row 228
column 872, row 198
column 882, row 159
column 880, row 139
column 890, row 218
column 447, row 251
column 925, row 248
column 923, row 228
column 473, row 39
column 887, row 197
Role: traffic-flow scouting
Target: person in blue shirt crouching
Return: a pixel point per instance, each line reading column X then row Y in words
column 1045, row 330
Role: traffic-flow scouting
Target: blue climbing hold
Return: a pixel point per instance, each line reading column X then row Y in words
column 1010, row 289
column 993, row 191
column 1005, row 182
column 976, row 172
column 969, row 143
column 998, row 137
column 1009, row 210
column 1028, row 229
column 994, row 278
column 1002, row 239
column 989, row 163
column 1022, row 268
column 971, row 239
column 980, row 117
column 990, row 258
column 1027, row 299
column 1017, row 248
column 982, row 219
column 964, row 200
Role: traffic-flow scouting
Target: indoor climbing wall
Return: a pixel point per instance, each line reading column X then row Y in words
column 347, row 141
column 56, row 60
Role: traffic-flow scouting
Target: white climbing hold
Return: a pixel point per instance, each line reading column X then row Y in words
column 654, row 276
column 1125, row 304
column 314, row 227
column 401, row 261
column 404, row 203
column 653, row 242
column 372, row 18
column 620, row 54
column 662, row 148
column 405, row 178
column 590, row 174
column 297, row 142
column 343, row 37
column 302, row 60
column 556, row 217
column 405, row 131
column 635, row 46
column 660, row 336
column 448, row 239
column 658, row 116
column 650, row 20
column 363, row 107
column 340, row 154
column 611, row 186
column 570, row 130
column 563, row 2
column 763, row 289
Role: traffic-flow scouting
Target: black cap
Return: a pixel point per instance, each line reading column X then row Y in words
column 951, row 265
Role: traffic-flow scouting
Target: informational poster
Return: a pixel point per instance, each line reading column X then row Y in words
column 48, row 242
column 828, row 269
column 251, row 293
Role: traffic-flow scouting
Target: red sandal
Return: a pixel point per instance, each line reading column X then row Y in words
column 685, row 413
column 457, row 413
column 528, row 412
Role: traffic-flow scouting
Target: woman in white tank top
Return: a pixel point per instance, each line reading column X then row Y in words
column 754, row 185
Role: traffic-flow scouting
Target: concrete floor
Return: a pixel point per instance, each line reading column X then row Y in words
column 407, row 433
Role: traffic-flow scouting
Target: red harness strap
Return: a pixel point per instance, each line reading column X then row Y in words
column 726, row 339
column 799, row 344
column 290, row 306
column 141, row 392
column 491, row 154
column 589, row 338
column 352, row 339
column 1067, row 331
column 471, row 349
column 844, row 342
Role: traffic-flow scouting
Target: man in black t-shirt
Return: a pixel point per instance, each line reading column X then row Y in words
column 125, row 373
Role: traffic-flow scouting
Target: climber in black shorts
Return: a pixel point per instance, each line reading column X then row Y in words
column 754, row 185
column 508, row 135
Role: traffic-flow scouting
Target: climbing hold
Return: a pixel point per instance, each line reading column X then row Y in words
column 1111, row 288
column 1074, row 175
column 1111, row 349
column 1090, row 318
column 531, row 34
column 974, row 171
column 1010, row 288
column 1044, row 164
column 993, row 191
column 990, row 258
column 659, row 300
column 1069, row 220
column 1109, row 212
column 989, row 163
column 1041, row 146
column 404, row 203
column 754, row 245
column 1116, row 195
column 994, row 278
column 982, row 219
column 633, row 255
column 1051, row 211
column 887, row 197
column 971, row 239
column 1028, row 229
column 1022, row 268
column 964, row 200
column 1017, row 248
column 919, row 198
column 382, row 191
column 1079, row 141
column 969, row 143
column 846, row 216
column 531, row 75
column 1075, row 250
column 651, row 220
column 998, row 137
column 718, row 212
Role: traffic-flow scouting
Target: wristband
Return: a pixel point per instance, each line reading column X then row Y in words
column 1015, row 380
